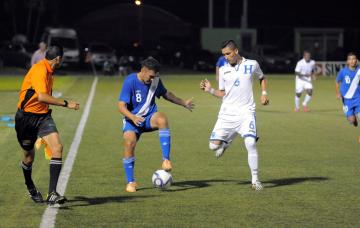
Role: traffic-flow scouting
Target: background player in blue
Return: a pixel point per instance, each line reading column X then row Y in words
column 137, row 104
column 348, row 89
column 221, row 62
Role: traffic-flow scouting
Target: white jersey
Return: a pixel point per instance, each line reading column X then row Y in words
column 304, row 67
column 237, row 82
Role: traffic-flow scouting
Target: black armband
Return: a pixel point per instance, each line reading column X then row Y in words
column 66, row 103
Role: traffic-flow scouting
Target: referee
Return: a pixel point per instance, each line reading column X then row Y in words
column 33, row 119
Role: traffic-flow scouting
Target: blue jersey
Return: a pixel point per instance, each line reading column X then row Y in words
column 221, row 61
column 349, row 80
column 140, row 97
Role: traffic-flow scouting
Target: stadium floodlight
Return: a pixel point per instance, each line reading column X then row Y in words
column 138, row 2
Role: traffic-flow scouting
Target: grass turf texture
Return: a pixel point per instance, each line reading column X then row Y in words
column 308, row 163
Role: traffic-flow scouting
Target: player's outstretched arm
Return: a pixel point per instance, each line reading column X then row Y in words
column 217, row 73
column 206, row 86
column 264, row 95
column 46, row 98
column 188, row 104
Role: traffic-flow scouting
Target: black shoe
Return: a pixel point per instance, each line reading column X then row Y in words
column 35, row 195
column 55, row 198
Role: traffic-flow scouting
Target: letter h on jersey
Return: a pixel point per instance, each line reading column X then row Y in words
column 248, row 69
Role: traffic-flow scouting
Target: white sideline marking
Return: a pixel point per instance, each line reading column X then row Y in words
column 49, row 216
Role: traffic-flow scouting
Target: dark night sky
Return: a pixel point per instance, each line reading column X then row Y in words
column 263, row 14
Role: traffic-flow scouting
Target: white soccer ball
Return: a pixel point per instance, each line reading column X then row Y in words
column 162, row 179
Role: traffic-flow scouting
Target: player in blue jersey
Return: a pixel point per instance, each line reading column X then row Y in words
column 348, row 89
column 221, row 62
column 137, row 104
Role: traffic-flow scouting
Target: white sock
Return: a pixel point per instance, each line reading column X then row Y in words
column 250, row 144
column 297, row 102
column 306, row 100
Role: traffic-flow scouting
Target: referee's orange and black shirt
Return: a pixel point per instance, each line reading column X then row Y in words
column 38, row 80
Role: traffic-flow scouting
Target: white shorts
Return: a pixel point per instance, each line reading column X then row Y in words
column 301, row 85
column 226, row 130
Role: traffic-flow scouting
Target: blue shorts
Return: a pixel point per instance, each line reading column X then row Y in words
column 351, row 107
column 145, row 126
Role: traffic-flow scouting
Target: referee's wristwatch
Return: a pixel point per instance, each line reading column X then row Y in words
column 65, row 103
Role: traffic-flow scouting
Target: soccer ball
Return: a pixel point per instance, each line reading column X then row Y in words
column 162, row 179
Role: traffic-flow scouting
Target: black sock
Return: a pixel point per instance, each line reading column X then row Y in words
column 55, row 168
column 27, row 169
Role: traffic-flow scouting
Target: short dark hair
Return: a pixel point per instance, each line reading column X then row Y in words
column 151, row 63
column 54, row 51
column 306, row 51
column 351, row 54
column 230, row 44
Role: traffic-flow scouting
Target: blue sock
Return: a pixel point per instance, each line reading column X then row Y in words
column 129, row 164
column 164, row 136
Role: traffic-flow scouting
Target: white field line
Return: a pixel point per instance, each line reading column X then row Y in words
column 49, row 216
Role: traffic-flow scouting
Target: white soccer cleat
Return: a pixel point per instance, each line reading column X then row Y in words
column 257, row 186
column 219, row 152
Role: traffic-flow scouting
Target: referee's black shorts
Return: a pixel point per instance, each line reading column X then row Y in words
column 29, row 126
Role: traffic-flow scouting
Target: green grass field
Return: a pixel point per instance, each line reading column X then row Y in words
column 309, row 163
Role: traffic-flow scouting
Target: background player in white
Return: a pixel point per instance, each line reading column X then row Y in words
column 304, row 71
column 237, row 112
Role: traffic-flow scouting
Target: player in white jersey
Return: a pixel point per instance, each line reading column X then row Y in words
column 237, row 112
column 304, row 71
